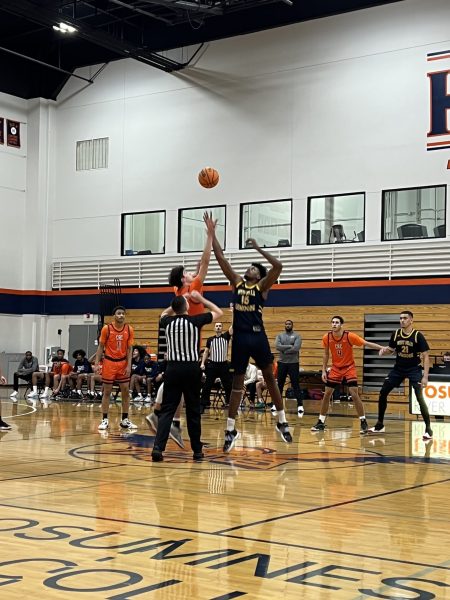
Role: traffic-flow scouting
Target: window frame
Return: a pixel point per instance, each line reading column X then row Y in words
column 241, row 211
column 203, row 208
column 308, row 217
column 122, row 232
column 405, row 189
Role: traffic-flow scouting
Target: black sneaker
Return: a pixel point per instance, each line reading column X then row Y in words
column 157, row 455
column 364, row 428
column 319, row 426
column 230, row 439
column 4, row 426
column 198, row 456
column 377, row 428
column 283, row 430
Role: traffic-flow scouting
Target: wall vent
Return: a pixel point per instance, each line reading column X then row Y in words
column 92, row 154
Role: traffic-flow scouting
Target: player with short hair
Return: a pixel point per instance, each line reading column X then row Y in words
column 249, row 337
column 339, row 343
column 116, row 346
column 408, row 344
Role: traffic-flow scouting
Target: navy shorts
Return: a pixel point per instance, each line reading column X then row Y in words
column 396, row 377
column 250, row 345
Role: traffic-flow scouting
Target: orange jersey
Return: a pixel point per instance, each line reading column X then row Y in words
column 195, row 308
column 342, row 349
column 117, row 342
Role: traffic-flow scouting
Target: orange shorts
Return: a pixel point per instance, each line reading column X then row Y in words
column 115, row 372
column 337, row 374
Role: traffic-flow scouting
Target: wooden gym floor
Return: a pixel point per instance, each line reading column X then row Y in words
column 334, row 515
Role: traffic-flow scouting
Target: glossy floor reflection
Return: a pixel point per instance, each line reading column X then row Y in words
column 334, row 515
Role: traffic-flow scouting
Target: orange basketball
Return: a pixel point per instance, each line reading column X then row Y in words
column 208, row 177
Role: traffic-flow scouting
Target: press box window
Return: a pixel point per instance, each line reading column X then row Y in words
column 143, row 233
column 92, row 154
column 414, row 213
column 336, row 219
column 269, row 223
column 191, row 228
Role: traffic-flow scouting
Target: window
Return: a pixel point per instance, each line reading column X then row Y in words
column 269, row 223
column 191, row 228
column 143, row 233
column 92, row 154
column 414, row 213
column 336, row 219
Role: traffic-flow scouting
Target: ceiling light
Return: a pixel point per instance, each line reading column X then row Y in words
column 64, row 28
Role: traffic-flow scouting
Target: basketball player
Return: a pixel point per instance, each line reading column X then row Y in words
column 3, row 426
column 340, row 344
column 184, row 283
column 249, row 337
column 408, row 344
column 116, row 346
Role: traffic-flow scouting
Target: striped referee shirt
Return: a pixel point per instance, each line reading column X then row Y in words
column 218, row 347
column 183, row 336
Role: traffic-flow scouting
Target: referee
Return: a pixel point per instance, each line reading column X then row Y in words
column 183, row 374
column 215, row 364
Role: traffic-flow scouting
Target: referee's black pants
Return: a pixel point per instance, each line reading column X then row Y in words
column 216, row 370
column 180, row 378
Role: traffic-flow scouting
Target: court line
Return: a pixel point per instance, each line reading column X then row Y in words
column 196, row 531
column 318, row 508
column 109, row 466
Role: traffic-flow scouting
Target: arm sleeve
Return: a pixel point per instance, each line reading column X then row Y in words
column 355, row 340
column 297, row 343
column 164, row 321
column 20, row 367
column 209, row 342
column 203, row 319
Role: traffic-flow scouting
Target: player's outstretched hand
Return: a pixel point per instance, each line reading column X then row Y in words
column 209, row 222
column 251, row 243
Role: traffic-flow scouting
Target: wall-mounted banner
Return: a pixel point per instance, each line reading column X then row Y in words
column 2, row 130
column 438, row 137
column 13, row 133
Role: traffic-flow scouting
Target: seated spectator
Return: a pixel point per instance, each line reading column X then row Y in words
column 28, row 365
column 81, row 369
column 137, row 372
column 93, row 378
column 59, row 366
column 250, row 379
column 151, row 371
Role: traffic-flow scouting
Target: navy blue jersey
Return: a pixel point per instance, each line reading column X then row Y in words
column 137, row 366
column 248, row 304
column 408, row 347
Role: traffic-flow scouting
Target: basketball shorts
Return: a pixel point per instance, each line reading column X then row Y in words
column 337, row 374
column 115, row 371
column 250, row 345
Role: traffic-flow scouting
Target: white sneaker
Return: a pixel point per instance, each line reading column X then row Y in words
column 32, row 395
column 300, row 411
column 103, row 425
column 273, row 410
column 44, row 395
column 127, row 424
column 139, row 398
column 152, row 421
column 13, row 396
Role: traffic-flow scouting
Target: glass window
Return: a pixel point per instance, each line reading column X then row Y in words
column 336, row 219
column 269, row 223
column 414, row 213
column 143, row 233
column 192, row 229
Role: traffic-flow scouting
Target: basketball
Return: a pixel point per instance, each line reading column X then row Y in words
column 208, row 177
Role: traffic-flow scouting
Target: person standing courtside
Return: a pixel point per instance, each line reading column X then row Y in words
column 249, row 337
column 116, row 346
column 215, row 364
column 183, row 373
column 288, row 345
column 408, row 344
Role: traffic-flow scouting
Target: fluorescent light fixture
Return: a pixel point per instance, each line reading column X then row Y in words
column 64, row 28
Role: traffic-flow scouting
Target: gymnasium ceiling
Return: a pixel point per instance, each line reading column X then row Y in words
column 113, row 29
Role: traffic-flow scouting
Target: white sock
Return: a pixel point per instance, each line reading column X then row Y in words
column 35, row 389
column 322, row 418
column 231, row 423
column 363, row 418
column 46, row 390
column 281, row 416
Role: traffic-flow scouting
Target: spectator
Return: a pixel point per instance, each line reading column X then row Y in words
column 288, row 345
column 80, row 372
column 28, row 365
column 137, row 372
column 3, row 426
column 59, row 364
column 151, row 370
column 251, row 377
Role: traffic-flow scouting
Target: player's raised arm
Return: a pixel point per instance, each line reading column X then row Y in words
column 227, row 270
column 274, row 272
